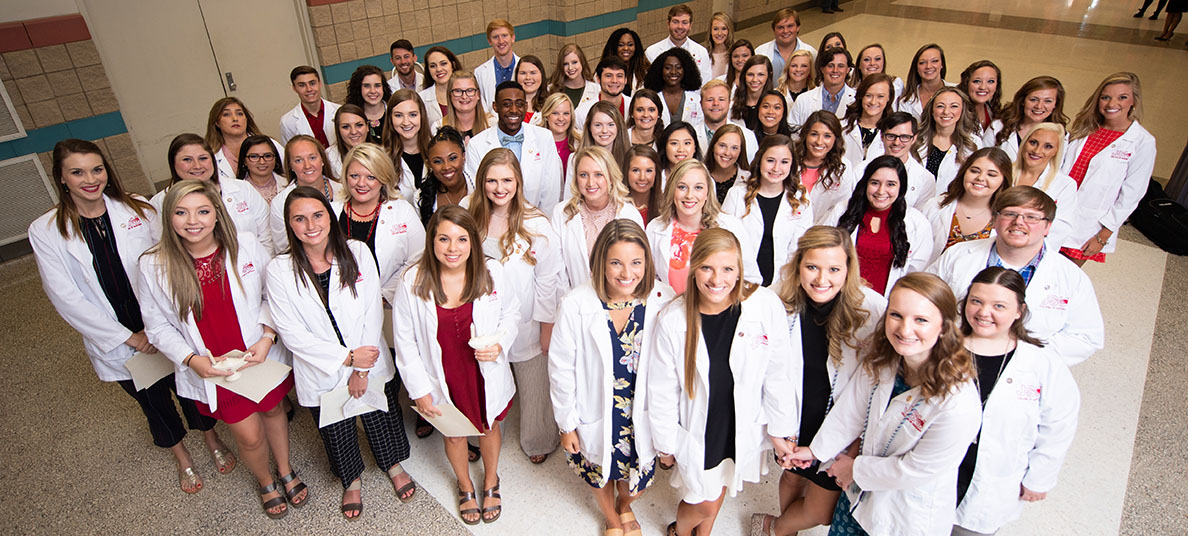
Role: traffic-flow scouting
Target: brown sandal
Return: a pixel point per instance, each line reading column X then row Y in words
column 396, row 470
column 463, row 498
column 273, row 502
column 357, row 485
column 492, row 493
column 291, row 494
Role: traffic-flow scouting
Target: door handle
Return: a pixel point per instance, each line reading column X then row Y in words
column 230, row 81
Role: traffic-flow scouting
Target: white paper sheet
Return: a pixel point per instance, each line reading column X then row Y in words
column 148, row 369
column 451, row 423
column 338, row 404
column 255, row 381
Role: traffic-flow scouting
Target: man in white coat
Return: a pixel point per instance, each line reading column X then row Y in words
column 680, row 20
column 404, row 67
column 1061, row 304
column 502, row 65
column 831, row 93
column 715, row 113
column 898, row 131
column 612, row 80
column 785, row 29
column 540, row 165
column 314, row 116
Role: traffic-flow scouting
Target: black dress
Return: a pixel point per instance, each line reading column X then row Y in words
column 817, row 389
column 718, row 331
column 768, row 207
column 989, row 368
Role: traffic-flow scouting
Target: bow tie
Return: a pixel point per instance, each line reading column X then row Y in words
column 504, row 138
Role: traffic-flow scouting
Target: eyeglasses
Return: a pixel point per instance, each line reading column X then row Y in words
column 258, row 157
column 1028, row 218
column 469, row 92
column 903, row 138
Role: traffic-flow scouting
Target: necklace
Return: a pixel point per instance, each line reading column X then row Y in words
column 965, row 214
column 372, row 217
column 446, row 193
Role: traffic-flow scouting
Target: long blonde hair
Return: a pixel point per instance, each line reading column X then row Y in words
column 518, row 209
column 376, row 160
column 1089, row 119
column 175, row 262
column 707, row 243
column 709, row 211
column 451, row 116
column 550, row 104
column 1053, row 164
column 614, row 177
column 809, row 82
column 709, row 34
column 847, row 315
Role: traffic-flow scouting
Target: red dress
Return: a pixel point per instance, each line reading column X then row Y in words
column 463, row 377
column 875, row 252
column 219, row 327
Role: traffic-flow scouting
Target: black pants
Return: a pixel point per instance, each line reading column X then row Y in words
column 157, row 404
column 1158, row 7
column 385, row 434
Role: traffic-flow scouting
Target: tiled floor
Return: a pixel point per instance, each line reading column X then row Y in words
column 66, row 467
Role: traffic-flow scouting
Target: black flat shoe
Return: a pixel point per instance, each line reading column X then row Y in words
column 1138, row 15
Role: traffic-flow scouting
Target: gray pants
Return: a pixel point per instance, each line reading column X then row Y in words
column 538, row 428
column 960, row 531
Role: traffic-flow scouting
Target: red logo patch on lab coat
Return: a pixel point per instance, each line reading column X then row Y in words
column 400, row 229
column 134, row 222
column 1053, row 301
column 913, row 417
column 247, row 269
column 241, row 206
column 1029, row 392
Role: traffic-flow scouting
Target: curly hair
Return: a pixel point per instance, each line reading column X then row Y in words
column 430, row 185
column 739, row 102
column 691, row 81
column 994, row 105
column 834, row 165
column 355, row 85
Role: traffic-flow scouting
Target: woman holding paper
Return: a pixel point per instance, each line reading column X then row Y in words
column 324, row 296
column 86, row 250
column 201, row 290
column 455, row 321
column 598, row 381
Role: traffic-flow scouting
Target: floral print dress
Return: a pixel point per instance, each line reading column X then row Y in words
column 625, row 465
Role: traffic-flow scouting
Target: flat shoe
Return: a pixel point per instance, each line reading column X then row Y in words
column 273, row 502
column 473, row 453
column 355, row 506
column 225, row 460
column 492, row 493
column 291, row 494
column 612, row 532
column 423, row 429
column 757, row 521
column 537, row 460
column 187, row 478
column 400, row 491
column 627, row 518
column 463, row 498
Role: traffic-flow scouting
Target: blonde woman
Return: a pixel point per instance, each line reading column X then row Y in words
column 599, row 383
column 722, row 386
column 690, row 206
column 797, row 77
column 452, row 294
column 371, row 211
column 831, row 314
column 201, row 289
column 1038, row 165
column 465, row 111
column 519, row 236
column 557, row 116
column 597, row 196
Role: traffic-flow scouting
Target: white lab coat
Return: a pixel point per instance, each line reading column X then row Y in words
column 248, row 210
column 913, row 105
column 769, row 49
column 1027, row 426
column 276, row 215
column 700, row 55
column 691, row 113
column 950, row 163
column 394, row 80
column 335, row 160
column 823, row 199
column 1063, row 190
column 1115, row 182
column 660, row 239
column 856, row 155
column 789, row 225
column 177, row 338
column 224, row 165
column 920, row 243
column 921, row 183
column 905, row 477
column 301, row 320
column 432, row 106
column 538, row 286
column 418, row 355
column 68, row 278
column 294, row 122
column 399, row 241
column 408, row 182
column 485, row 75
column 540, row 164
column 582, row 374
column 810, row 101
column 1061, row 304
column 839, row 376
column 572, row 235
column 767, row 391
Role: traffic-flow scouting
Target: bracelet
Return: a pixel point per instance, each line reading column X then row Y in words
column 561, row 432
column 351, row 358
column 186, row 361
column 362, row 373
column 1099, row 240
column 275, row 337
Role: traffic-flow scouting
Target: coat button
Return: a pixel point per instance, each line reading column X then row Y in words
column 1009, row 380
column 740, row 334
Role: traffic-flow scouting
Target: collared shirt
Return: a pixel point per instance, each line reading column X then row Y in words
column 515, row 142
column 1026, row 271
column 830, row 101
column 316, row 123
column 400, row 82
column 503, row 74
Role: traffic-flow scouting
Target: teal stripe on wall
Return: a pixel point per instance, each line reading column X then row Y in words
column 341, row 72
column 41, row 140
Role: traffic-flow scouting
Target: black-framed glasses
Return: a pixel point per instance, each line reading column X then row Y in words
column 903, row 138
column 258, row 157
column 1029, row 218
column 469, row 92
